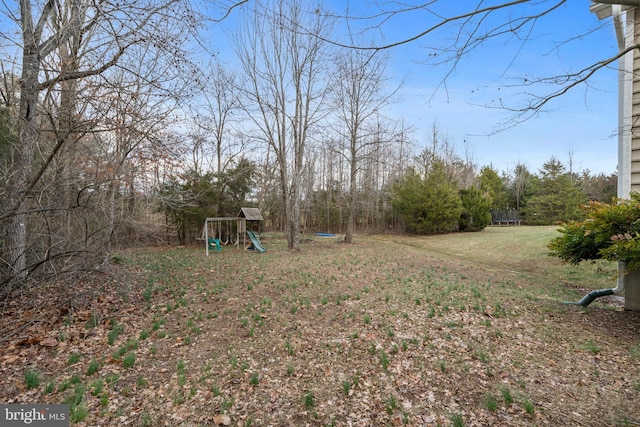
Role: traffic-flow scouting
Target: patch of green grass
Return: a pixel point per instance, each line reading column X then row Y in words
column 226, row 404
column 491, row 403
column 75, row 398
column 457, row 420
column 93, row 367
column 308, row 400
column 255, row 379
column 129, row 360
column 146, row 420
column 79, row 413
column 182, row 372
column 506, row 396
column 64, row 386
column 129, row 346
column 158, row 323
column 528, row 406
column 391, row 405
column 31, row 378
column 178, row 398
column 148, row 292
column 114, row 333
column 499, row 310
column 384, row 359
column 290, row 370
column 346, row 387
column 288, row 347
column 592, row 347
column 96, row 387
column 482, row 356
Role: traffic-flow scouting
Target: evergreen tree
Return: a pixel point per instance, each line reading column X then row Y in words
column 476, row 206
column 493, row 185
column 197, row 197
column 557, row 197
column 429, row 205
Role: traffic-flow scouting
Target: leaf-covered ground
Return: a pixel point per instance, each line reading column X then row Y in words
column 384, row 332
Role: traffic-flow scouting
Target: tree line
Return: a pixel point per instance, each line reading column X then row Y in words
column 118, row 127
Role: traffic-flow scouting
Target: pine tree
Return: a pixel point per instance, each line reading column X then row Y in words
column 557, row 198
column 429, row 205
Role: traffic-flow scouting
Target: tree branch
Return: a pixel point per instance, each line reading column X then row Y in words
column 86, row 73
column 230, row 9
column 431, row 29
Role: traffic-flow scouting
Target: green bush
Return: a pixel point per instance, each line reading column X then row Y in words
column 476, row 206
column 611, row 232
column 428, row 205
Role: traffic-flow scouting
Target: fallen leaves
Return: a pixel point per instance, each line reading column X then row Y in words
column 49, row 342
column 222, row 420
column 224, row 347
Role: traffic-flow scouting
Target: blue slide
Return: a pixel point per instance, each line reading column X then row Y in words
column 257, row 246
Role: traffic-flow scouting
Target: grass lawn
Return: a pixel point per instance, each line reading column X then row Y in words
column 451, row 330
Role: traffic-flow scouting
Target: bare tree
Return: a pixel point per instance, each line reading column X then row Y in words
column 62, row 44
column 285, row 91
column 361, row 94
column 521, row 183
column 214, row 118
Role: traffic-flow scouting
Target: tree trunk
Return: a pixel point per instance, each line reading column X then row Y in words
column 351, row 206
column 18, row 181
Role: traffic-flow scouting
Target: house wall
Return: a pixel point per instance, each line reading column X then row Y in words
column 633, row 18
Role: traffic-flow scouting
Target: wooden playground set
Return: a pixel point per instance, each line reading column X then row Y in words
column 219, row 231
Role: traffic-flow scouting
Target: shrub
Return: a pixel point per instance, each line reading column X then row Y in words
column 475, row 214
column 611, row 232
column 428, row 205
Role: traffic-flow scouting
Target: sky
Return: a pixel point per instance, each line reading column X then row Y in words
column 578, row 128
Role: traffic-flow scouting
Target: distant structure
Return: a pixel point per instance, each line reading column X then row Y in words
column 250, row 217
column 505, row 217
column 247, row 223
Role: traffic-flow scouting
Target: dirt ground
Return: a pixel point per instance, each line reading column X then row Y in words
column 378, row 333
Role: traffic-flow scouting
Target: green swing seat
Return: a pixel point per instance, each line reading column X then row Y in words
column 215, row 245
